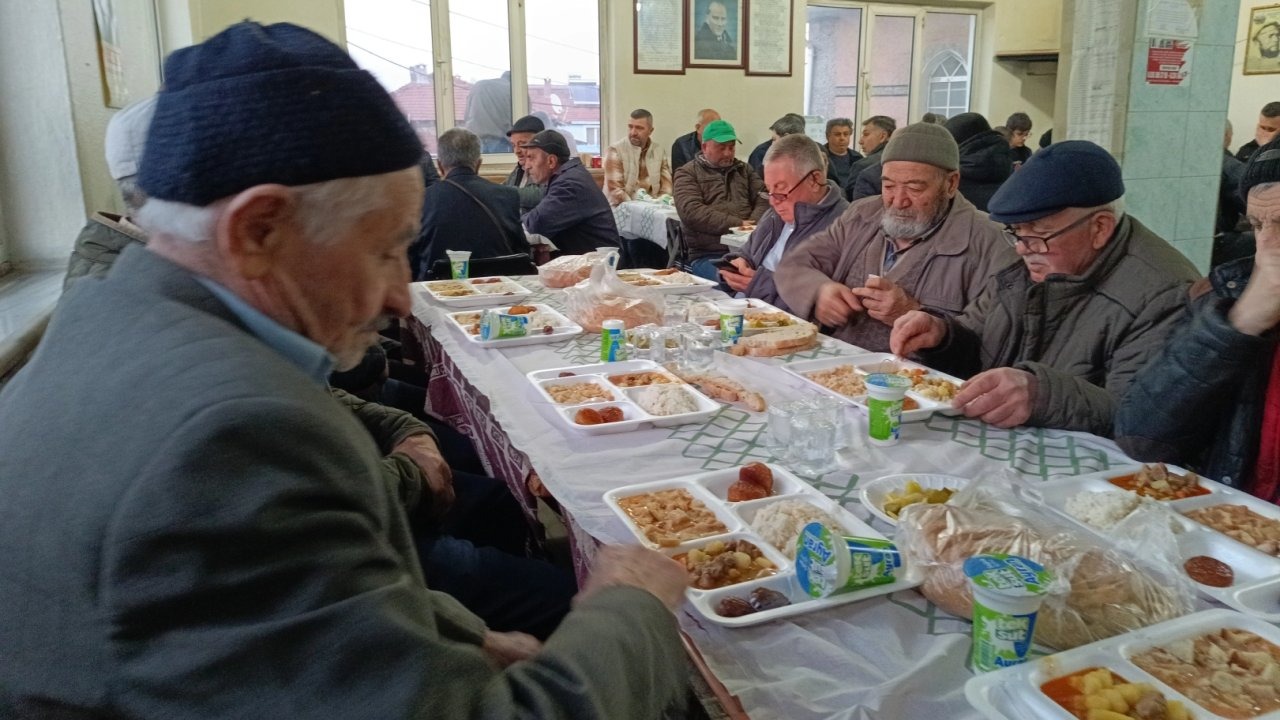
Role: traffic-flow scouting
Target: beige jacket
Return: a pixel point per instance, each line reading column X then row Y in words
column 944, row 272
column 622, row 171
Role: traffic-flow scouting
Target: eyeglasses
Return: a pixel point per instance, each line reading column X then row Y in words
column 1040, row 244
column 782, row 197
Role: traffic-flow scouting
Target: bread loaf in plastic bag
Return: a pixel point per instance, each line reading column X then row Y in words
column 603, row 296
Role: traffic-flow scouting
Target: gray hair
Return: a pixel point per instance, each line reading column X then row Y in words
column 805, row 155
column 1115, row 207
column 134, row 196
column 642, row 114
column 326, row 210
column 458, row 147
column 839, row 122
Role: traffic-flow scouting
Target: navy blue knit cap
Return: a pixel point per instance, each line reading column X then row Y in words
column 1072, row 173
column 261, row 104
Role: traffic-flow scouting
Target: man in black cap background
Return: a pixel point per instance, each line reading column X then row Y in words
column 789, row 124
column 919, row 244
column 985, row 158
column 574, row 214
column 1210, row 400
column 233, row 550
column 520, row 134
column 1053, row 341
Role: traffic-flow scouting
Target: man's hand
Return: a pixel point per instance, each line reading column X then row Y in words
column 506, row 648
column 885, row 300
column 1258, row 309
column 640, row 568
column 917, row 330
column 740, row 276
column 1002, row 397
column 835, row 304
column 424, row 452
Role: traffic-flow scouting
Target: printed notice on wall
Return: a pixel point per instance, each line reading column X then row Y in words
column 659, row 36
column 1168, row 61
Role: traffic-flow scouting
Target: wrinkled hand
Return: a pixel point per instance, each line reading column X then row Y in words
column 424, row 452
column 634, row 566
column 885, row 300
column 1258, row 309
column 1002, row 397
column 835, row 305
column 740, row 277
column 506, row 648
column 917, row 330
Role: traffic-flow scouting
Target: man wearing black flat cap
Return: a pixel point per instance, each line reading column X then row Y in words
column 520, row 134
column 191, row 525
column 574, row 213
column 1211, row 400
column 1054, row 340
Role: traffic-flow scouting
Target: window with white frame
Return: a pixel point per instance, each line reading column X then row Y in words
column 948, row 92
column 480, row 64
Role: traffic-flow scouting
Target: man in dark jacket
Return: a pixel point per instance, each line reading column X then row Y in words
column 687, row 146
column 783, row 126
column 1019, row 127
column 840, row 156
column 573, row 213
column 985, row 159
column 714, row 192
column 1053, row 341
column 864, row 176
column 521, row 133
column 464, row 211
column 1211, row 399
column 802, row 203
column 1266, row 131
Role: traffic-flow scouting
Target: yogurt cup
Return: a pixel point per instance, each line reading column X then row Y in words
column 459, row 263
column 828, row 562
column 731, row 316
column 885, row 392
column 1007, row 593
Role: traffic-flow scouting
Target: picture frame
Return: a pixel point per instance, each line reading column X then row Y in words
column 659, row 36
column 1262, row 45
column 715, row 33
column 769, row 28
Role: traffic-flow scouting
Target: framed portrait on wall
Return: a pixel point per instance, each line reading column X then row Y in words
column 716, row 33
column 1262, row 47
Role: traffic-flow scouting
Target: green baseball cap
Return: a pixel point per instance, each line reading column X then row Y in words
column 719, row 131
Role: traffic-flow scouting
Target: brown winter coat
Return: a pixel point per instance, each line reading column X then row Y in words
column 711, row 200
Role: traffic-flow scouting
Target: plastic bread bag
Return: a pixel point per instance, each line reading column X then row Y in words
column 603, row 296
column 1100, row 590
column 568, row 270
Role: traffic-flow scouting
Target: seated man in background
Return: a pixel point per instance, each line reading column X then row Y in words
column 464, row 211
column 803, row 202
column 1054, row 341
column 1019, row 125
column 920, row 244
column 714, row 192
column 573, row 213
column 840, row 157
column 985, row 159
column 864, row 176
column 239, row 523
column 634, row 163
column 1210, row 400
column 788, row 124
column 521, row 133
column 1267, row 129
column 686, row 147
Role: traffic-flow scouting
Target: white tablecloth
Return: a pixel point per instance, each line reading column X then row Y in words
column 896, row 657
column 645, row 219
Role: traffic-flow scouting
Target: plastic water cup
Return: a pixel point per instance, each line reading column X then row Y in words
column 699, row 346
column 779, row 436
column 885, row 393
column 1007, row 593
column 459, row 263
column 833, row 411
column 813, row 439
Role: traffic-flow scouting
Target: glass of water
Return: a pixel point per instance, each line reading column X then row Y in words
column 699, row 345
column 813, row 438
column 778, row 439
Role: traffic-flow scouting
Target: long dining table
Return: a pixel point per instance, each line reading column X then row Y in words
column 893, row 657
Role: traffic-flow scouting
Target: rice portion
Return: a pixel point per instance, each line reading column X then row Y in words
column 665, row 400
column 1102, row 510
column 780, row 523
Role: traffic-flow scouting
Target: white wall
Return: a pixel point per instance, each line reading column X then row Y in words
column 1248, row 92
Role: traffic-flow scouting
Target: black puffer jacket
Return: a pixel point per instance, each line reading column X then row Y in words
column 985, row 163
column 1199, row 403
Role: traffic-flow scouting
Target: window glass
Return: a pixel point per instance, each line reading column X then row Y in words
column 392, row 40
column 481, row 54
column 892, row 39
column 562, row 50
column 948, row 59
column 831, row 69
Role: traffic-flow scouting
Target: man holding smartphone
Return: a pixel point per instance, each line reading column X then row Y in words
column 801, row 203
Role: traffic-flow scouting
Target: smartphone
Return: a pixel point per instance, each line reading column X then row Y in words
column 723, row 264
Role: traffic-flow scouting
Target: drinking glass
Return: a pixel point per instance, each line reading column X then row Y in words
column 699, row 345
column 778, row 439
column 813, row 439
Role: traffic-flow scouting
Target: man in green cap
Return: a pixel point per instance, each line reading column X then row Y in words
column 714, row 192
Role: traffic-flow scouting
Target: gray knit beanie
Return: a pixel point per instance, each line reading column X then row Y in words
column 924, row 143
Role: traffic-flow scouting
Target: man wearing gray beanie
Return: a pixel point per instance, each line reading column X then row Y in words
column 918, row 245
column 232, row 549
column 1211, row 400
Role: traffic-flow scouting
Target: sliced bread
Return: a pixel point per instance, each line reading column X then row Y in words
column 777, row 342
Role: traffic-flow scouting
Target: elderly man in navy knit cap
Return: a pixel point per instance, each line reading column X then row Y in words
column 1211, row 400
column 1054, row 340
column 232, row 550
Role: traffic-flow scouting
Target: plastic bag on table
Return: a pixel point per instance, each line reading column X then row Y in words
column 1100, row 590
column 568, row 270
column 603, row 296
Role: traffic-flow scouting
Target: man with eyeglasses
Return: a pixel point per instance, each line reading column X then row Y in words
column 1054, row 341
column 802, row 203
column 919, row 244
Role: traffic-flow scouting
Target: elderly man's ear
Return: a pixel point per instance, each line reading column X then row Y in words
column 259, row 226
column 1102, row 226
